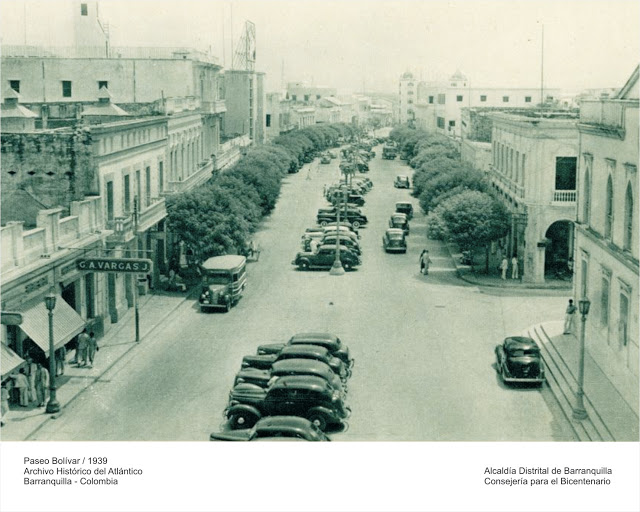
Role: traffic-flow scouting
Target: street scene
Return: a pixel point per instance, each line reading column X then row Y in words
column 201, row 242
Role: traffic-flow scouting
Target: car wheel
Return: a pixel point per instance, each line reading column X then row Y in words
column 318, row 420
column 303, row 265
column 242, row 420
column 346, row 265
column 355, row 224
column 323, row 223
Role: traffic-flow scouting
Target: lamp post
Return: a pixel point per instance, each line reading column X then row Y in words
column 579, row 412
column 53, row 406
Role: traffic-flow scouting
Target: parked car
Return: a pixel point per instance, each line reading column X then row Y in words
column 353, row 198
column 324, row 339
column 343, row 224
column 353, row 217
column 299, row 395
column 518, row 359
column 332, row 154
column 394, row 240
column 405, row 207
column 345, row 242
column 255, row 376
column 402, row 182
column 289, row 428
column 315, row 352
column 308, row 367
column 399, row 221
column 389, row 152
column 326, row 159
column 324, row 257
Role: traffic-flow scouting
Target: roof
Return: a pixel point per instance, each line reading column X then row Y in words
column 20, row 205
column 104, row 109
column 305, row 349
column 227, row 262
column 300, row 365
column 630, row 89
column 301, row 381
column 520, row 342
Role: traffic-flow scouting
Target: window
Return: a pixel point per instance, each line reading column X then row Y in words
column 148, row 185
column 410, row 93
column 15, row 85
column 441, row 99
column 628, row 218
column 624, row 320
column 109, row 200
column 268, row 121
column 306, row 97
column 566, row 172
column 161, row 176
column 608, row 219
column 586, row 196
column 441, row 122
column 294, row 97
column 410, row 84
column 84, row 10
column 483, row 97
column 66, row 89
column 452, row 124
column 505, row 99
column 409, row 101
column 527, row 99
column 103, row 83
column 604, row 299
column 430, row 99
column 459, row 97
column 127, row 194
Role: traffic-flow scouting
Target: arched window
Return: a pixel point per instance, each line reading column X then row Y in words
column 586, row 198
column 608, row 220
column 628, row 218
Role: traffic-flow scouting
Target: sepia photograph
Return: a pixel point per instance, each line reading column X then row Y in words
column 408, row 227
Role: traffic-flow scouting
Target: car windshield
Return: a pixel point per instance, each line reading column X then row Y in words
column 523, row 353
column 395, row 236
column 217, row 277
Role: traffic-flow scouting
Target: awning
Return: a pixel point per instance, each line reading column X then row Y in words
column 9, row 360
column 66, row 324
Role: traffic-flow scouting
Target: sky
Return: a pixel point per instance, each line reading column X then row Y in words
column 356, row 45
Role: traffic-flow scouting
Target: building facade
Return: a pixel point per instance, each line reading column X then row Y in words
column 533, row 172
column 245, row 101
column 408, row 93
column 606, row 252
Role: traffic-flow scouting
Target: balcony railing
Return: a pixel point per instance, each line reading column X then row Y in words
column 564, row 196
column 152, row 214
column 197, row 178
column 122, row 228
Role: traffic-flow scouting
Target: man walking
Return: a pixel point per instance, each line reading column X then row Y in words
column 81, row 349
column 92, row 346
column 424, row 262
column 569, row 317
column 514, row 267
column 21, row 383
column 504, row 265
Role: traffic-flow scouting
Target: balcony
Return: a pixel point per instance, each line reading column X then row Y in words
column 122, row 228
column 202, row 174
column 602, row 112
column 152, row 214
column 564, row 196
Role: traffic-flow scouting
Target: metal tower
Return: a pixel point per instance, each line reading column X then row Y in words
column 245, row 54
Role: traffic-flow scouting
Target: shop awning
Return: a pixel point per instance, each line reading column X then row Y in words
column 66, row 324
column 9, row 360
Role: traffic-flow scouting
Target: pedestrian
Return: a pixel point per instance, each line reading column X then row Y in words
column 81, row 349
column 569, row 317
column 4, row 405
column 61, row 358
column 32, row 373
column 92, row 347
column 42, row 384
column 21, row 383
column 504, row 265
column 424, row 262
column 514, row 267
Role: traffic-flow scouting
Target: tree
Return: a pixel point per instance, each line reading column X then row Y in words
column 474, row 219
column 440, row 186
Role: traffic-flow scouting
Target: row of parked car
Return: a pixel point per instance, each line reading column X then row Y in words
column 290, row 391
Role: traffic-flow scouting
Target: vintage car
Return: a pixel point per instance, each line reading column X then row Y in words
column 299, row 366
column 223, row 280
column 402, row 182
column 297, row 395
column 399, row 221
column 326, row 159
column 337, row 197
column 332, row 154
column 389, row 152
column 289, row 428
column 253, row 376
column 315, row 352
column 345, row 242
column 405, row 207
column 394, row 240
column 332, row 226
column 324, row 339
column 518, row 359
column 353, row 217
column 324, row 257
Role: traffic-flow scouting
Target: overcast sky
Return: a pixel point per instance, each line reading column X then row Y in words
column 351, row 44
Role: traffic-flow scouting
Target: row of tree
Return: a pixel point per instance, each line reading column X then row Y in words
column 454, row 193
column 220, row 216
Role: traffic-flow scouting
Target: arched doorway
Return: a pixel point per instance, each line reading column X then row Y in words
column 558, row 261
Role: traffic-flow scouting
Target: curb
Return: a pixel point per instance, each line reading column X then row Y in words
column 93, row 380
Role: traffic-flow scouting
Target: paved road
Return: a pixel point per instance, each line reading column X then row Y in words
column 423, row 345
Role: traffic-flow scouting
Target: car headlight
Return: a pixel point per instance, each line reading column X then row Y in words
column 336, row 396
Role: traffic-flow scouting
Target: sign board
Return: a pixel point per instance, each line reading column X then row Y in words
column 126, row 265
column 10, row 318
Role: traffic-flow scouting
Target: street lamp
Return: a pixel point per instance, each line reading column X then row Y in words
column 579, row 412
column 53, row 406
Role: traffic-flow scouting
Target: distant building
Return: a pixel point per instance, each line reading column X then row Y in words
column 408, row 93
column 306, row 93
column 606, row 248
column 245, row 102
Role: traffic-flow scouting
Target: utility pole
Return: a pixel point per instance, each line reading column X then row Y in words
column 135, row 284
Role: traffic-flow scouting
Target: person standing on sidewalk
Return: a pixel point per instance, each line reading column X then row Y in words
column 504, row 265
column 569, row 318
column 81, row 349
column 21, row 383
column 92, row 346
column 42, row 384
column 514, row 267
column 61, row 358
column 424, row 262
column 32, row 374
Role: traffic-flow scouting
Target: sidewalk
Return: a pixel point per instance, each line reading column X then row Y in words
column 613, row 412
column 22, row 422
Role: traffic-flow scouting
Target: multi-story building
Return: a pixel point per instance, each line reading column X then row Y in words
column 439, row 105
column 606, row 246
column 245, row 101
column 408, row 92
column 306, row 93
column 533, row 171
